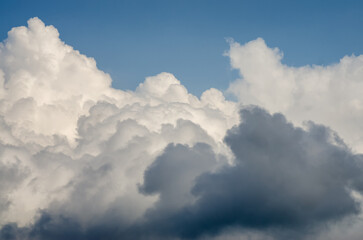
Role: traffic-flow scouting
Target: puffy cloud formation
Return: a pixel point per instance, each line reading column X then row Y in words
column 285, row 181
column 81, row 160
column 329, row 95
column 69, row 140
column 283, row 178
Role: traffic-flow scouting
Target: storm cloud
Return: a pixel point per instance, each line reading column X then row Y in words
column 283, row 177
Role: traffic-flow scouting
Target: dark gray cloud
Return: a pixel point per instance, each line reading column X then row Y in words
column 284, row 178
column 285, row 181
column 173, row 174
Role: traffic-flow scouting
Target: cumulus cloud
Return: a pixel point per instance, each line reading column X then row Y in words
column 284, row 179
column 286, row 182
column 69, row 140
column 81, row 160
column 329, row 95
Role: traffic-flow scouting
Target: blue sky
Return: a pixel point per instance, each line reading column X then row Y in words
column 134, row 39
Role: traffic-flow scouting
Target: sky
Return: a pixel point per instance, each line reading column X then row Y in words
column 135, row 39
column 181, row 120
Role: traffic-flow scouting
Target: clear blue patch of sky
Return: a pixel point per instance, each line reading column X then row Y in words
column 134, row 39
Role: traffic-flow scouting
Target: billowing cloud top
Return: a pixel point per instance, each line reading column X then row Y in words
column 331, row 95
column 81, row 160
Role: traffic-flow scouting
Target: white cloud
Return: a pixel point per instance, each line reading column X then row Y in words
column 73, row 140
column 330, row 95
column 72, row 145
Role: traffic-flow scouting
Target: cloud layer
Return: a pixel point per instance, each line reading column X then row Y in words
column 81, row 160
